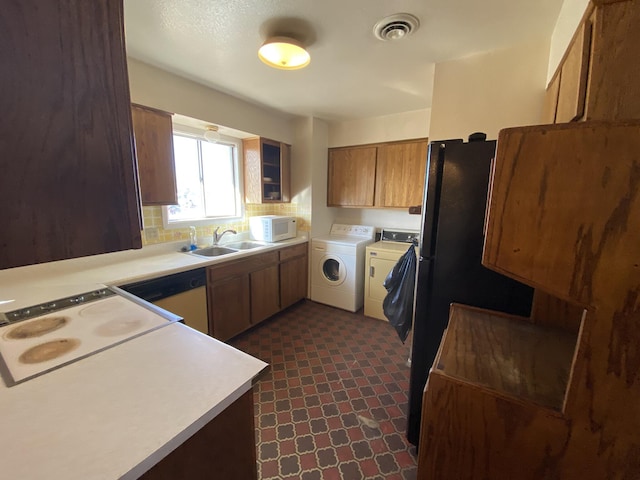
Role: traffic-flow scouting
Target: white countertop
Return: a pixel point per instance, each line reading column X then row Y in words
column 118, row 412
column 22, row 287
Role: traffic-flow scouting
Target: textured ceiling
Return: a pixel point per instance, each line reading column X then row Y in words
column 352, row 74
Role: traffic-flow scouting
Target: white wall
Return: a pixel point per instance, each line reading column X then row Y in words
column 160, row 89
column 489, row 91
column 401, row 126
column 568, row 19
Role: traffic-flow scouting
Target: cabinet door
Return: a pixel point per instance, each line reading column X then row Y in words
column 573, row 77
column 153, row 132
column 351, row 177
column 293, row 281
column 551, row 100
column 613, row 92
column 400, row 174
column 265, row 293
column 266, row 170
column 229, row 308
column 68, row 186
column 564, row 201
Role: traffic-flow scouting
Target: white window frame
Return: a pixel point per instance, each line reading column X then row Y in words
column 239, row 187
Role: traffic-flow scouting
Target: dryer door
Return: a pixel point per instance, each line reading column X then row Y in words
column 332, row 270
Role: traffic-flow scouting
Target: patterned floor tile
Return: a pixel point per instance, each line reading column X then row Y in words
column 332, row 405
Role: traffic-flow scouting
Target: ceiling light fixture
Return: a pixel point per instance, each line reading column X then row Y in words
column 285, row 53
column 211, row 134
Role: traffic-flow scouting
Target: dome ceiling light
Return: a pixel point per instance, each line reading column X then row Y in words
column 285, row 53
column 396, row 27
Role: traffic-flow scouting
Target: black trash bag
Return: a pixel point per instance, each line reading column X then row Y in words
column 400, row 283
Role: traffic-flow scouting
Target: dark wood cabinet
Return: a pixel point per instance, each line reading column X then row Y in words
column 267, row 170
column 153, row 133
column 242, row 293
column 69, row 185
column 265, row 293
column 224, row 448
column 293, row 274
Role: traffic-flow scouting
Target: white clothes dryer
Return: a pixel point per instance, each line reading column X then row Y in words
column 337, row 266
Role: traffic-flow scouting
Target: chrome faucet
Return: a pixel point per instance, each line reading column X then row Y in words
column 216, row 237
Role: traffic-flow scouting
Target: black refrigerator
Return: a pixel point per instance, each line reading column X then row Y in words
column 449, row 268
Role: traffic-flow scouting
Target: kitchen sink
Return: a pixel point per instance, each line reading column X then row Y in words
column 244, row 245
column 213, row 251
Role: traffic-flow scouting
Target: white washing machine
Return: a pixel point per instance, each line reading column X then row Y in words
column 381, row 257
column 337, row 266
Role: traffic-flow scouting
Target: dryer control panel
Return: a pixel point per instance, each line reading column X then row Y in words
column 363, row 231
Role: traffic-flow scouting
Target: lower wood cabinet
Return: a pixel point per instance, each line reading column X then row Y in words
column 293, row 274
column 265, row 293
column 243, row 293
column 228, row 306
column 224, row 448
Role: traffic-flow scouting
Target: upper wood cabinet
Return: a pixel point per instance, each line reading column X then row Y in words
column 69, row 186
column 385, row 175
column 351, row 177
column 153, row 133
column 597, row 78
column 267, row 170
column 400, row 173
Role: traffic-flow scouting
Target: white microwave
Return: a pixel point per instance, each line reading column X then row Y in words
column 272, row 228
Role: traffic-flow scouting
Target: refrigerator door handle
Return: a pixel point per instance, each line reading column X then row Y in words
column 372, row 271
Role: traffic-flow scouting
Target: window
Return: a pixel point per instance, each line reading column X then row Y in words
column 207, row 181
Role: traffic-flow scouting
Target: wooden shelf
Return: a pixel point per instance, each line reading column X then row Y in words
column 507, row 354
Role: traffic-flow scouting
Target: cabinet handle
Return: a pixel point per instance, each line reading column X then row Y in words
column 372, row 271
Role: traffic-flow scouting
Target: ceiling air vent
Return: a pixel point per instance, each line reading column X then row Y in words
column 395, row 27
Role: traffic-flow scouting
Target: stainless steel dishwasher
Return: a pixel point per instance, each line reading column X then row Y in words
column 184, row 294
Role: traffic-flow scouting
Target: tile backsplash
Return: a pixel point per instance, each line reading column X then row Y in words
column 155, row 233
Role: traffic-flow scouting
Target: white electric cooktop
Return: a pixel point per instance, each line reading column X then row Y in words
column 45, row 342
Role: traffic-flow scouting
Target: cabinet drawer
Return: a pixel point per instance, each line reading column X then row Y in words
column 295, row 251
column 239, row 267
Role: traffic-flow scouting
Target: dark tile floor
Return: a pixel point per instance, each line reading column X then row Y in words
column 333, row 404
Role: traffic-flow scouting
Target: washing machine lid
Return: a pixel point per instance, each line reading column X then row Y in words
column 343, row 240
column 342, row 234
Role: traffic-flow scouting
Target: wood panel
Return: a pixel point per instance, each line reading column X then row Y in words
column 553, row 234
column 551, row 99
column 153, row 133
column 507, row 354
column 293, row 280
column 223, row 448
column 351, row 177
column 555, row 312
column 294, row 251
column 69, row 186
column 239, row 267
column 573, row 77
column 285, row 177
column 473, row 433
column 400, row 174
column 228, row 306
column 583, row 248
column 253, row 188
column 265, row 293
column 613, row 92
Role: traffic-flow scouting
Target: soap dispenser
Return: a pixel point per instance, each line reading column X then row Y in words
column 193, row 241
